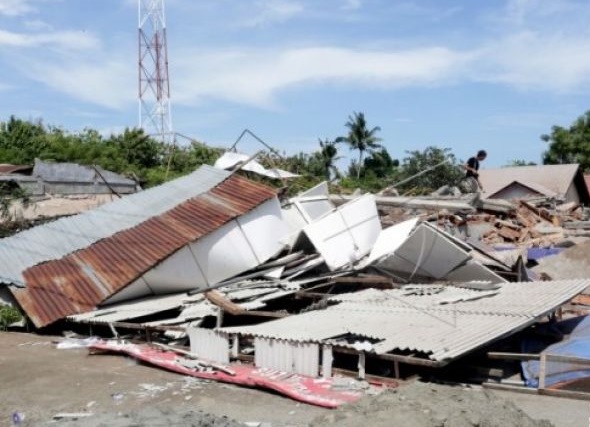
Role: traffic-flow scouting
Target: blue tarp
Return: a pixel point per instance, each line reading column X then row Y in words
column 576, row 343
column 538, row 253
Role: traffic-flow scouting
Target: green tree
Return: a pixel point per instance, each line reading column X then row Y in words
column 329, row 157
column 519, row 162
column 446, row 170
column 569, row 145
column 380, row 163
column 360, row 137
column 21, row 141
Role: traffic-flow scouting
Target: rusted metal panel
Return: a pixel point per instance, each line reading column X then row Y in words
column 79, row 281
column 64, row 236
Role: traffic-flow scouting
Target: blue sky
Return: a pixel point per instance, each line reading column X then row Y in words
column 466, row 75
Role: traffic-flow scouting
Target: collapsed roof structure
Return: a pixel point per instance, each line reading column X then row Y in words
column 163, row 240
column 300, row 279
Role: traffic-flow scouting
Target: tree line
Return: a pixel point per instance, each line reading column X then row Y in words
column 134, row 154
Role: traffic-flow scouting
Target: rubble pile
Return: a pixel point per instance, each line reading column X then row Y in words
column 301, row 287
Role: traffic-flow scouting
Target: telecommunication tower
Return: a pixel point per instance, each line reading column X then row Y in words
column 154, row 85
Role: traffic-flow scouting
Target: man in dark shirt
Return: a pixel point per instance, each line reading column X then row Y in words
column 471, row 181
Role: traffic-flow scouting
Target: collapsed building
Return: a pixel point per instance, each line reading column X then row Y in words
column 302, row 285
column 57, row 189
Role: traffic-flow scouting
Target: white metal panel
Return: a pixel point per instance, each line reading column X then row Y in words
column 319, row 190
column 348, row 233
column 264, row 228
column 391, row 239
column 305, row 208
column 295, row 218
column 224, row 253
column 179, row 272
column 287, row 356
column 137, row 289
column 230, row 160
column 474, row 271
column 209, row 344
column 430, row 252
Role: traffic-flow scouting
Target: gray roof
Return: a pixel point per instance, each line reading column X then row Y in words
column 556, row 178
column 73, row 172
column 424, row 324
column 59, row 238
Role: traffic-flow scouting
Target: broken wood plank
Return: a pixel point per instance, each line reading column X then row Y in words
column 542, row 213
column 512, row 356
column 217, row 298
column 524, row 234
column 508, row 233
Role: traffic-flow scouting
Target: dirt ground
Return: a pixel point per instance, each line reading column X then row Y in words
column 38, row 381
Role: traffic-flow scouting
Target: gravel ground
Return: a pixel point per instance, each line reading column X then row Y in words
column 37, row 382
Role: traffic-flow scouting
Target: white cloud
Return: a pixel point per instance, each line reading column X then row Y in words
column 37, row 25
column 109, row 83
column 16, row 7
column 256, row 77
column 59, row 39
column 266, row 12
column 352, row 4
column 532, row 61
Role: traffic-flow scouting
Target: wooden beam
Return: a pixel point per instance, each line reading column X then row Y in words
column 513, row 356
column 216, row 298
column 409, row 360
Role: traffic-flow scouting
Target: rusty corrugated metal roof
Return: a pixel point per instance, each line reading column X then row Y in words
column 81, row 280
column 59, row 238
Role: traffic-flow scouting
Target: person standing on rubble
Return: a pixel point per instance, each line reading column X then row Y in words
column 471, row 183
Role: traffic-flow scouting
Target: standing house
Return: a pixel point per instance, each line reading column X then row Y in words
column 565, row 182
column 190, row 233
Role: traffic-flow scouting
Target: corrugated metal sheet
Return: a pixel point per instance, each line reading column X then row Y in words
column 140, row 308
column 59, row 238
column 209, row 345
column 400, row 323
column 287, row 356
column 83, row 279
column 556, row 178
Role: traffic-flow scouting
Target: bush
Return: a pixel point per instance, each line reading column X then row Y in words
column 8, row 316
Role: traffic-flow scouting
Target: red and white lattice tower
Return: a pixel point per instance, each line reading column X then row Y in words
column 154, row 86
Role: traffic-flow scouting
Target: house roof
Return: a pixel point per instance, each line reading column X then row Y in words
column 556, row 178
column 80, row 280
column 75, row 173
column 587, row 180
column 441, row 322
column 536, row 188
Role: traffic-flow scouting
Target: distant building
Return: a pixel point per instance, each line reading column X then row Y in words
column 565, row 182
column 58, row 189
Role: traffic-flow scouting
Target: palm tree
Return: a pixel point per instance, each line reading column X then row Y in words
column 360, row 137
column 328, row 153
